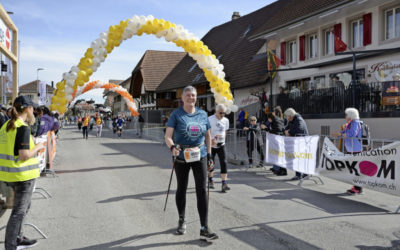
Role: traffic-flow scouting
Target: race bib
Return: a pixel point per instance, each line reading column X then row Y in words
column 192, row 154
column 220, row 138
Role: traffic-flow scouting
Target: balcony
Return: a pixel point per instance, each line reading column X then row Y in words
column 376, row 99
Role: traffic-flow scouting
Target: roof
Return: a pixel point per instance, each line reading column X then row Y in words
column 155, row 65
column 32, row 87
column 295, row 10
column 230, row 42
column 115, row 81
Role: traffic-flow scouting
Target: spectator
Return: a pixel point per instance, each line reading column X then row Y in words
column 296, row 127
column 79, row 122
column 141, row 125
column 3, row 116
column 46, row 121
column 254, row 141
column 277, row 127
column 352, row 134
column 241, row 120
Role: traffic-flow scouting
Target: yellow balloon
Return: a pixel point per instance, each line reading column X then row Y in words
column 89, row 71
column 79, row 83
column 82, row 74
column 88, row 62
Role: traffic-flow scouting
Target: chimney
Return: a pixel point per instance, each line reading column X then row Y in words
column 235, row 15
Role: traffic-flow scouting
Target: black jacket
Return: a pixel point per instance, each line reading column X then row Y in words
column 277, row 126
column 297, row 127
column 254, row 134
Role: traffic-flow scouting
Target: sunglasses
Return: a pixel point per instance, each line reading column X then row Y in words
column 222, row 113
column 253, row 120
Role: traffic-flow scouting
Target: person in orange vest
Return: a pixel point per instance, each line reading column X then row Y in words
column 99, row 125
column 79, row 122
column 85, row 127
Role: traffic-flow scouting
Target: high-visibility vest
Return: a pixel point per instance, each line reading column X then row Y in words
column 12, row 169
column 86, row 121
column 98, row 121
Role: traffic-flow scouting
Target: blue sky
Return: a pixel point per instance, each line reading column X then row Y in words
column 55, row 34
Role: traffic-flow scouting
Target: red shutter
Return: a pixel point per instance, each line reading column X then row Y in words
column 302, row 48
column 283, row 53
column 337, row 32
column 367, row 29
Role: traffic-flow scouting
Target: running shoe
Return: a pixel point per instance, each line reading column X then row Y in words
column 354, row 191
column 211, row 183
column 225, row 188
column 260, row 165
column 181, row 226
column 296, row 178
column 207, row 235
column 25, row 243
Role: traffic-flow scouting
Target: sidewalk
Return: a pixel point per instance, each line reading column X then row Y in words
column 109, row 194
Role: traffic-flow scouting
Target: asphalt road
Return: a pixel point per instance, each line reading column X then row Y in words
column 110, row 193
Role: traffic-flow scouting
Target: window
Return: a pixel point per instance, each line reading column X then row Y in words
column 392, row 23
column 292, row 52
column 312, row 46
column 329, row 41
column 357, row 33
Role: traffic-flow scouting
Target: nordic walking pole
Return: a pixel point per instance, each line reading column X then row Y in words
column 170, row 180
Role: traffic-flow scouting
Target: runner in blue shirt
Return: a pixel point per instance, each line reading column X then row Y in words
column 188, row 127
column 120, row 124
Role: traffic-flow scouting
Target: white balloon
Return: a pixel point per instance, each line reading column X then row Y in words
column 104, row 35
column 228, row 110
column 230, row 103
column 212, row 90
column 65, row 76
column 70, row 83
column 73, row 75
column 69, row 97
column 75, row 69
column 95, row 60
column 234, row 108
column 94, row 45
column 102, row 42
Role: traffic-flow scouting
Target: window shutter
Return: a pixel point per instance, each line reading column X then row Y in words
column 283, row 53
column 337, row 32
column 367, row 29
column 302, row 48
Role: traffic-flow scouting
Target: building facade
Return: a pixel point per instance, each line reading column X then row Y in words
column 31, row 90
column 319, row 82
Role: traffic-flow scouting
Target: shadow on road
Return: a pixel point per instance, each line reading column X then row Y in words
column 127, row 242
column 100, row 169
column 258, row 234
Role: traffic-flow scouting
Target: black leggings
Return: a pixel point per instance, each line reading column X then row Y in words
column 221, row 152
column 250, row 148
column 85, row 131
column 182, row 170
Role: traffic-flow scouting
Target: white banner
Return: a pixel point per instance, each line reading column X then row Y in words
column 42, row 153
column 377, row 169
column 42, row 92
column 294, row 153
column 5, row 35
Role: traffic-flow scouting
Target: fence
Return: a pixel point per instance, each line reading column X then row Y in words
column 366, row 97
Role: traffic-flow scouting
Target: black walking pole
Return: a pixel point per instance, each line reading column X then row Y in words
column 170, row 180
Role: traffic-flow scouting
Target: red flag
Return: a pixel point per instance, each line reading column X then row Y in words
column 340, row 46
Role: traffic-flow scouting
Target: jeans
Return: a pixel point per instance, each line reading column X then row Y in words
column 221, row 152
column 182, row 170
column 22, row 202
column 99, row 129
column 85, row 132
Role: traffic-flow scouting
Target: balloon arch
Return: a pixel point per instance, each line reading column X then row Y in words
column 74, row 80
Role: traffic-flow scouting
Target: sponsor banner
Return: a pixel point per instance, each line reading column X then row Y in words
column 375, row 169
column 391, row 93
column 42, row 92
column 294, row 153
column 386, row 71
column 5, row 35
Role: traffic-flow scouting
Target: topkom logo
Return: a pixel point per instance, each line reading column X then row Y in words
column 383, row 169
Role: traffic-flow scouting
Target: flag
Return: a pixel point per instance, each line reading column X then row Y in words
column 340, row 46
column 273, row 63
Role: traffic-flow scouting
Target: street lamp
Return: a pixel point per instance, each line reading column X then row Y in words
column 37, row 80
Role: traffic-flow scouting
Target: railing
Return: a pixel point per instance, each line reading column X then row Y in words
column 366, row 97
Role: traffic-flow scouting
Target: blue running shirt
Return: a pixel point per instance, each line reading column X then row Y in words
column 189, row 129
